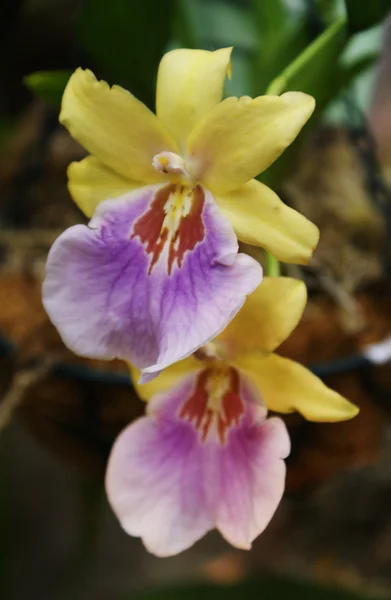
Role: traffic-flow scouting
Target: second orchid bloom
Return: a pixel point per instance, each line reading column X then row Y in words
column 206, row 456
column 157, row 273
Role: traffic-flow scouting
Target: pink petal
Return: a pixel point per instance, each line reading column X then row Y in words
column 155, row 486
column 177, row 473
column 252, row 481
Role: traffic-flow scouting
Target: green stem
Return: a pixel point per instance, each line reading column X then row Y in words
column 281, row 83
column 273, row 266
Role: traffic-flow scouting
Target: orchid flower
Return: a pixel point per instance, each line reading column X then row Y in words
column 206, row 456
column 156, row 274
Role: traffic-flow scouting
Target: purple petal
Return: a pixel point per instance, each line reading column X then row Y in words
column 117, row 289
column 184, row 469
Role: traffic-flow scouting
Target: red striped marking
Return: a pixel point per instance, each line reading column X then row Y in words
column 154, row 235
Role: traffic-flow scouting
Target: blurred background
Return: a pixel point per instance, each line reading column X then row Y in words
column 59, row 415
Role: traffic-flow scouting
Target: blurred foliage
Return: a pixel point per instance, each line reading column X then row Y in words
column 7, row 513
column 365, row 14
column 316, row 70
column 281, row 37
column 125, row 41
column 268, row 588
column 7, row 129
column 211, row 24
column 278, row 45
column 49, row 85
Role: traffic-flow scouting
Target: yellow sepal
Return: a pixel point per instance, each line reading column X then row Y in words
column 267, row 318
column 189, row 84
column 241, row 137
column 114, row 127
column 90, row 182
column 286, row 386
column 167, row 378
column 260, row 218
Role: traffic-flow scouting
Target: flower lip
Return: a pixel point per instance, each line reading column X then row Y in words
column 183, row 469
column 111, row 293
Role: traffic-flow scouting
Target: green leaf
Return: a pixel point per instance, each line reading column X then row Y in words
column 271, row 62
column 276, row 43
column 329, row 10
column 270, row 588
column 272, row 20
column 241, row 82
column 124, row 41
column 214, row 24
column 270, row 17
column 364, row 14
column 48, row 85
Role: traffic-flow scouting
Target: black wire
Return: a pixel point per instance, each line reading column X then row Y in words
column 85, row 373
column 340, row 365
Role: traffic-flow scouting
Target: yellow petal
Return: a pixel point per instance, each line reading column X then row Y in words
column 260, row 218
column 267, row 318
column 167, row 378
column 189, row 84
column 286, row 386
column 114, row 126
column 240, row 137
column 90, row 182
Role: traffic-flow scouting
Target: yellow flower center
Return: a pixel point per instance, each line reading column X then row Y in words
column 217, row 385
column 213, row 352
column 174, row 166
column 219, row 380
